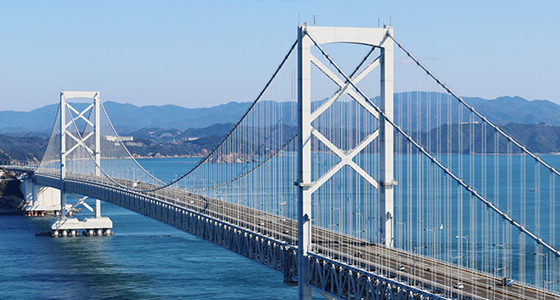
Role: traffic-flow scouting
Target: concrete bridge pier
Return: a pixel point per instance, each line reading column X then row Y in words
column 65, row 226
column 40, row 200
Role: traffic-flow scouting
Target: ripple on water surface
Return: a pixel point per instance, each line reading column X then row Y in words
column 145, row 259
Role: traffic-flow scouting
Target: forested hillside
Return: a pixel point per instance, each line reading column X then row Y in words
column 158, row 142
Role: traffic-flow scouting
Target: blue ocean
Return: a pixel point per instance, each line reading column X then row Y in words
column 144, row 259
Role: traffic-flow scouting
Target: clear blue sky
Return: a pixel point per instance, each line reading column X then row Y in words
column 204, row 53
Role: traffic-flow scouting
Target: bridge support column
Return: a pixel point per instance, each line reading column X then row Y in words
column 98, row 226
column 304, row 162
column 40, row 200
column 387, row 145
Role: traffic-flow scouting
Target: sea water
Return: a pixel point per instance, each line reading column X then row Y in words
column 144, row 259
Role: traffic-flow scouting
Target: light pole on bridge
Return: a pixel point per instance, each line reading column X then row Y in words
column 460, row 248
column 546, row 283
column 504, row 259
column 537, row 254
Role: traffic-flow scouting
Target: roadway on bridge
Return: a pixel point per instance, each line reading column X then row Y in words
column 398, row 265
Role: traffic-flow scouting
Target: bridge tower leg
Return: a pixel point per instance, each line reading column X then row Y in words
column 97, row 106
column 63, row 154
column 304, row 163
column 98, row 223
column 387, row 145
column 312, row 36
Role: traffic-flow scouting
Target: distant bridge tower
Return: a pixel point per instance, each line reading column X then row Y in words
column 309, row 36
column 97, row 225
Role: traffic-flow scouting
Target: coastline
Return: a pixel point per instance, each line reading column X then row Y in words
column 11, row 198
column 11, row 205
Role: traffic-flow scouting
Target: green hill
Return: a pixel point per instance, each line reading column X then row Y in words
column 128, row 118
column 159, row 142
column 28, row 150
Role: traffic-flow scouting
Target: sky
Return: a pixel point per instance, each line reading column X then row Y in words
column 204, row 53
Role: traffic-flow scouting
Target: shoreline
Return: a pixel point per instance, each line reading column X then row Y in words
column 11, row 205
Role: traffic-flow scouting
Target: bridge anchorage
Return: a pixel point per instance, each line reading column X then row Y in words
column 401, row 191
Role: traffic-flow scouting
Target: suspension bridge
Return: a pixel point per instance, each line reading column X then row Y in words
column 356, row 172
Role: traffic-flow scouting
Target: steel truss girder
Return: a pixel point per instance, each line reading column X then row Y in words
column 270, row 252
column 343, row 282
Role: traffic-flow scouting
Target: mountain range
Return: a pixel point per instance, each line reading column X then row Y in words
column 128, row 118
column 171, row 130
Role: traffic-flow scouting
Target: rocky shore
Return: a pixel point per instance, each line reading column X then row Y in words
column 11, row 198
column 11, row 205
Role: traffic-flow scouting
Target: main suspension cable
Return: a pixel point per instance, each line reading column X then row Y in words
column 459, row 180
column 126, row 149
column 213, row 151
column 495, row 127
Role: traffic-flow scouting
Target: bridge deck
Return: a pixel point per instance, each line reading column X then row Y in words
column 419, row 272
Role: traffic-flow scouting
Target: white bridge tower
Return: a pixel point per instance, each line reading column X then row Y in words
column 64, row 224
column 311, row 36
